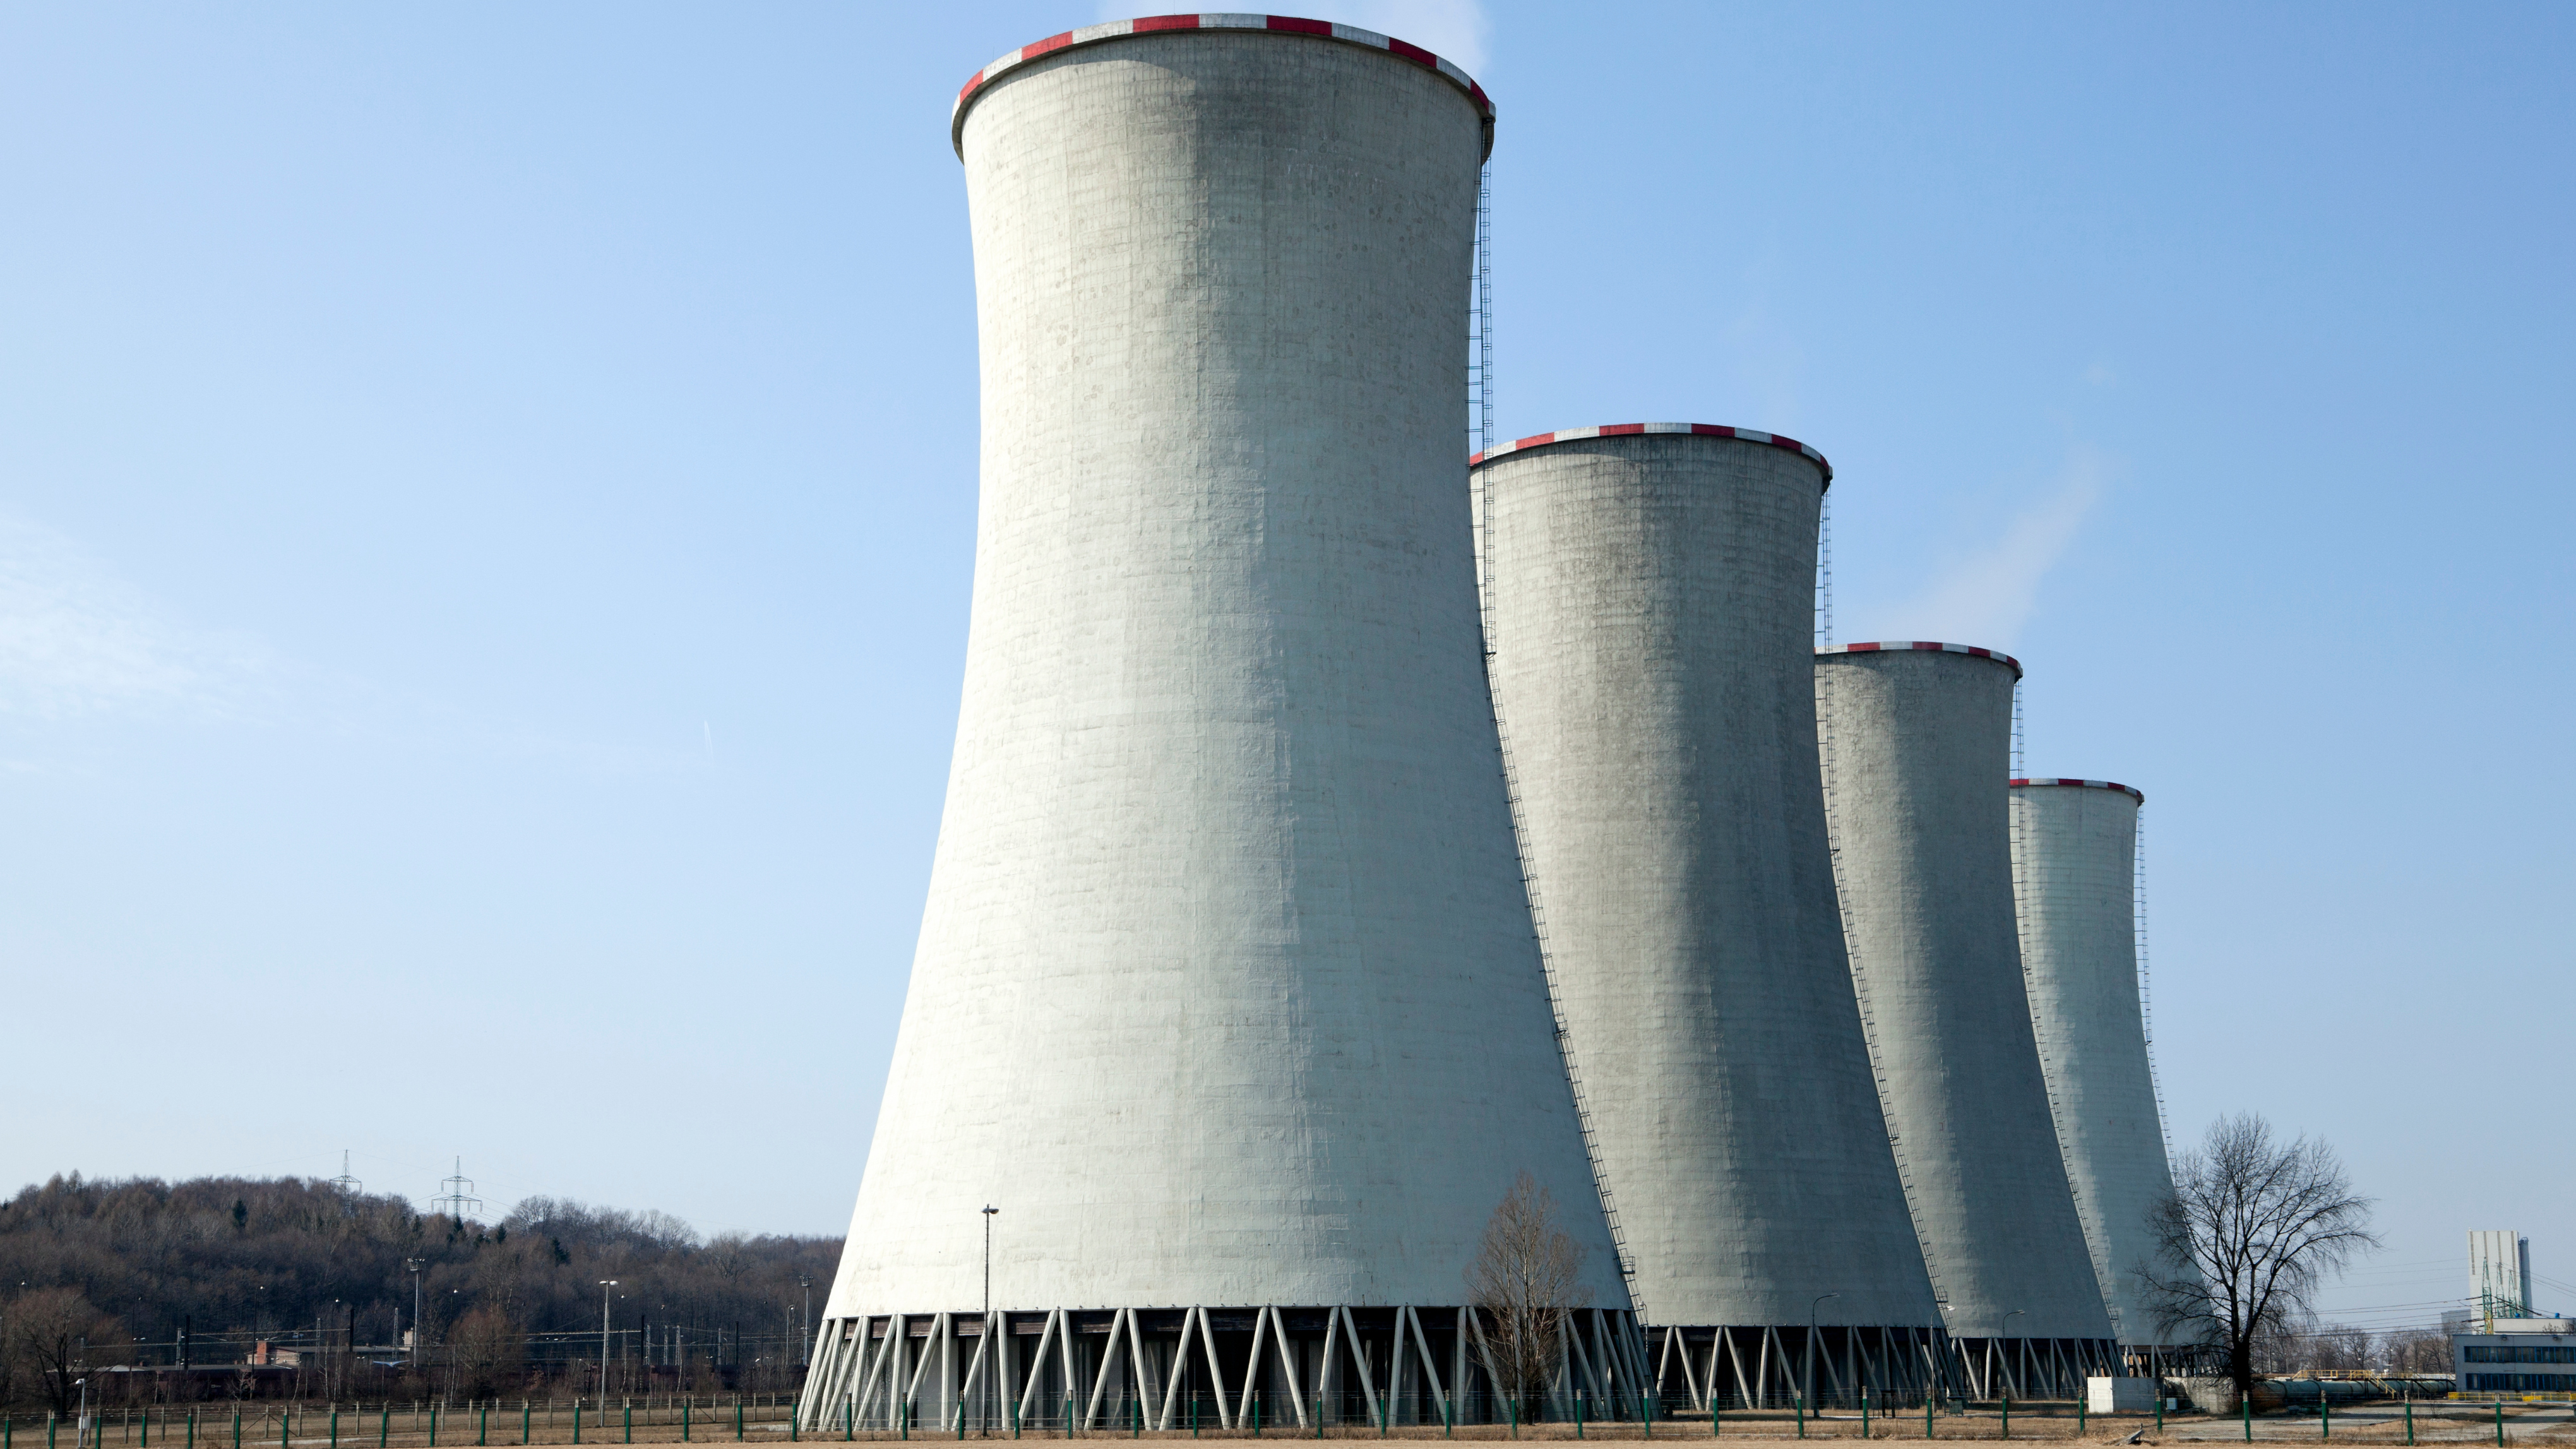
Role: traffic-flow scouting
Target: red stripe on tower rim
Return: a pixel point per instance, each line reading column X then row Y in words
column 1153, row 24
column 1621, row 430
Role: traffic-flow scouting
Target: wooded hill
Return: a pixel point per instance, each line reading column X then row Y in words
column 143, row 1272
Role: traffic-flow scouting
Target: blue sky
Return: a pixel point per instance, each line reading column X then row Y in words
column 486, row 504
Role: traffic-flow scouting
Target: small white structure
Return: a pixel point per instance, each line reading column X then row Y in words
column 2122, row 1395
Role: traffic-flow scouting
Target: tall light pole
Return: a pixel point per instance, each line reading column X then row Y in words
column 1811, row 1344
column 805, row 1322
column 417, row 1341
column 604, row 1285
column 80, row 1436
column 989, row 1210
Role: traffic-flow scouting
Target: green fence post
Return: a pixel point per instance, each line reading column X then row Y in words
column 630, row 1422
column 2499, row 1424
column 147, row 1427
column 525, row 1417
column 576, row 1419
column 1928, row 1396
column 1646, row 1414
column 1385, row 1409
column 433, row 1426
column 1511, row 1410
column 2410, row 1421
column 482, row 1424
column 2247, row 1403
column 2325, row 1415
column 1256, row 1417
column 1578, row 1414
column 1712, row 1411
column 2079, row 1417
column 1796, row 1401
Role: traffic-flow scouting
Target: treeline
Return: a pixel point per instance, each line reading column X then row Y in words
column 141, row 1274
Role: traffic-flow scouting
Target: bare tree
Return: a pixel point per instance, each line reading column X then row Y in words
column 49, row 1328
column 2253, row 1227
column 2418, row 1351
column 1523, row 1285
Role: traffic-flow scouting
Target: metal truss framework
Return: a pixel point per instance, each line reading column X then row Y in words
column 1155, row 1368
column 1774, row 1366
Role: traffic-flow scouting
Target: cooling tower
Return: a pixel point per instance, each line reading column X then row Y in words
column 1650, row 597
column 1226, row 995
column 2075, row 881
column 1916, row 741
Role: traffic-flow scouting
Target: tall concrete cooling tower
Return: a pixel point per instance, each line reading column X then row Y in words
column 2075, row 881
column 1227, row 995
column 1917, row 738
column 1650, row 594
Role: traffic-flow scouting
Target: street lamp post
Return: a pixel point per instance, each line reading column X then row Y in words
column 604, row 1285
column 80, row 1436
column 2007, row 1333
column 1811, row 1344
column 418, row 1342
column 989, row 1210
column 805, row 1323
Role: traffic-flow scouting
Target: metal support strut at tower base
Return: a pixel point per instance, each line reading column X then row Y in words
column 1915, row 741
column 1164, row 1369
column 1650, row 595
column 1226, row 990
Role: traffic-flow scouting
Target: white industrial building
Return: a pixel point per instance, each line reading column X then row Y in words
column 1650, row 593
column 1916, row 744
column 1227, row 995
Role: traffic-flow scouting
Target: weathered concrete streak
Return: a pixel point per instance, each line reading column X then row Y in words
column 2074, row 877
column 1917, row 747
column 1226, row 991
column 1652, row 606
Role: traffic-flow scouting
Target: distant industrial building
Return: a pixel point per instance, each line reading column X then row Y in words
column 2499, row 1275
column 2517, row 1356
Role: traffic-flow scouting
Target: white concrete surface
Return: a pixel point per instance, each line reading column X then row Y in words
column 1226, row 991
column 1652, row 613
column 1916, row 748
column 2074, row 881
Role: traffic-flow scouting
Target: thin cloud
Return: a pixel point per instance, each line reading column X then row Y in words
column 77, row 639
column 1988, row 596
